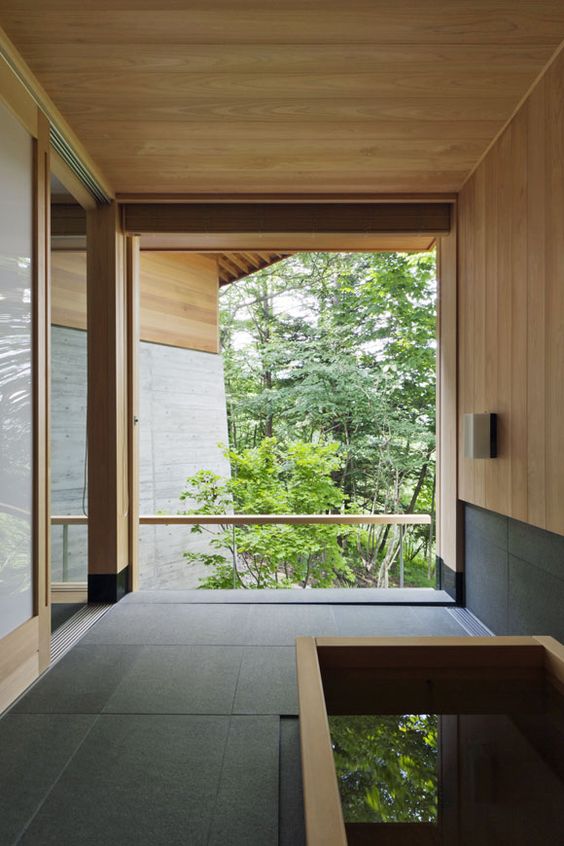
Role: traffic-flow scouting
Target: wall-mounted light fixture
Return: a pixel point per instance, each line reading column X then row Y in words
column 480, row 435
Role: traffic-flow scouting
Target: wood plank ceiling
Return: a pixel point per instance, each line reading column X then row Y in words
column 283, row 96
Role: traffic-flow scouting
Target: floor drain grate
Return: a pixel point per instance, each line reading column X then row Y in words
column 65, row 637
column 469, row 622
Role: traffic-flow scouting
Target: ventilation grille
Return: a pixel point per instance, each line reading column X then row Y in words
column 65, row 637
column 470, row 623
column 58, row 141
column 63, row 148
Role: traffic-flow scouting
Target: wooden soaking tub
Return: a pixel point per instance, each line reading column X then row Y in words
column 485, row 692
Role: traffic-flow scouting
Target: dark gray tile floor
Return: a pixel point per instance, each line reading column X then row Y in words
column 175, row 723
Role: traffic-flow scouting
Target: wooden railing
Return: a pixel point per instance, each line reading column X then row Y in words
column 260, row 519
column 283, row 519
column 234, row 520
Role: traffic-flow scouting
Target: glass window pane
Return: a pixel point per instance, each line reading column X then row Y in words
column 16, row 572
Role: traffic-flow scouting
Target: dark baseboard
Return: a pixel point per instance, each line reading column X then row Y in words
column 450, row 581
column 108, row 587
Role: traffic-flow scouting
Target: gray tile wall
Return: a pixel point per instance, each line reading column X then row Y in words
column 514, row 575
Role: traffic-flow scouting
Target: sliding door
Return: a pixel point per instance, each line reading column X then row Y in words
column 24, row 391
column 16, row 394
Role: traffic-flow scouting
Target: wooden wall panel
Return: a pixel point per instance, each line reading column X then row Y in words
column 179, row 300
column 554, row 291
column 536, row 306
column 68, row 280
column 511, row 313
column 179, row 297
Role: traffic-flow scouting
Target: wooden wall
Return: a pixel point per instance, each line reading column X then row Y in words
column 179, row 297
column 179, row 300
column 511, row 312
column 68, row 288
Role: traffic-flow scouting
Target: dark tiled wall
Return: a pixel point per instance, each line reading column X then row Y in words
column 514, row 575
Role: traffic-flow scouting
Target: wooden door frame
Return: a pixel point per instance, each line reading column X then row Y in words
column 132, row 259
column 208, row 226
column 450, row 528
column 69, row 592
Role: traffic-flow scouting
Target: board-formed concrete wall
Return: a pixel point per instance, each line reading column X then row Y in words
column 183, row 419
column 68, row 449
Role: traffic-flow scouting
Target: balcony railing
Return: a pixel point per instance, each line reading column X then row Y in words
column 260, row 519
column 234, row 520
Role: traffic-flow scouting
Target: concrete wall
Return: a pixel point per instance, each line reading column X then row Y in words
column 68, row 448
column 514, row 575
column 183, row 418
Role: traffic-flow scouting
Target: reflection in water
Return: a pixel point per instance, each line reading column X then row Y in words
column 491, row 779
column 387, row 767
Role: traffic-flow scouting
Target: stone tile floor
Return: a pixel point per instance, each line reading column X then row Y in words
column 175, row 723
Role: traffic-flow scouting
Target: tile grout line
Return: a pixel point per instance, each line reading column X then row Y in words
column 221, row 768
column 56, row 781
column 235, row 687
column 279, row 777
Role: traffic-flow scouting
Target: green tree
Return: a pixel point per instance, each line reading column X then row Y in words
column 272, row 479
column 342, row 347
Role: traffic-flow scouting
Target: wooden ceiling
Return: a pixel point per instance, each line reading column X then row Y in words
column 243, row 96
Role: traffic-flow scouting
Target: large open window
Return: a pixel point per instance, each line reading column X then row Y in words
column 317, row 402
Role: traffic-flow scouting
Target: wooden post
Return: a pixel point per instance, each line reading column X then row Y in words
column 449, row 532
column 132, row 271
column 41, row 381
column 108, row 502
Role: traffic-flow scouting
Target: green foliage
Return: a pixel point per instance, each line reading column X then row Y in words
column 387, row 767
column 334, row 348
column 271, row 479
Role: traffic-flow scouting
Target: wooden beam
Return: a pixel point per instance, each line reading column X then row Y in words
column 240, row 262
column 225, row 261
column 327, row 218
column 133, row 335
column 247, row 263
column 291, row 199
column 107, row 407
column 287, row 242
